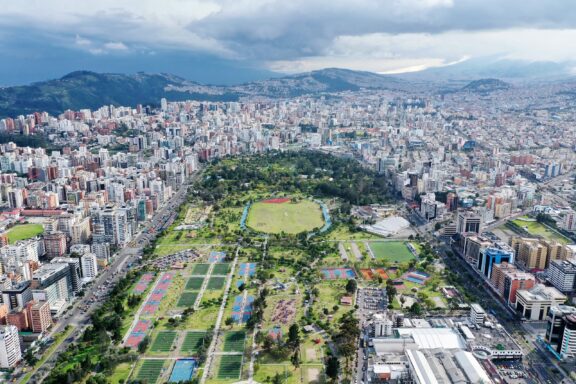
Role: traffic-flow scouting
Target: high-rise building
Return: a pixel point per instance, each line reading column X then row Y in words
column 562, row 274
column 89, row 263
column 469, row 221
column 569, row 221
column 40, row 317
column 568, row 345
column 555, row 325
column 491, row 256
column 55, row 243
column 10, row 353
column 52, row 282
column 75, row 271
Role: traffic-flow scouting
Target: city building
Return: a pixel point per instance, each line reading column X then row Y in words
column 10, row 353
column 55, row 244
column 491, row 256
column 535, row 303
column 562, row 274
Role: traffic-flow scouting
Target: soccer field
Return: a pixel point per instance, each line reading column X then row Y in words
column 192, row 342
column 216, row 283
column 187, row 299
column 393, row 251
column 287, row 217
column 234, row 341
column 230, row 367
column 163, row 341
column 150, row 371
column 24, row 231
column 200, row 269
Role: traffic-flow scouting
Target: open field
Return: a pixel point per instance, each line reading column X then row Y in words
column 287, row 217
column 221, row 269
column 192, row 342
column 393, row 251
column 234, row 341
column 200, row 269
column 230, row 367
column 24, row 231
column 150, row 370
column 121, row 372
column 163, row 342
column 537, row 229
column 216, row 283
column 187, row 299
column 194, row 283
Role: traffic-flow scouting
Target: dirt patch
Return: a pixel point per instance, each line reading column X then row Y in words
column 284, row 312
column 311, row 354
column 279, row 200
column 313, row 375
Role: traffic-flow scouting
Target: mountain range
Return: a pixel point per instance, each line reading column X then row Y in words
column 85, row 89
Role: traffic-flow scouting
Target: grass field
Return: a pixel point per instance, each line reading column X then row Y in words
column 230, row 367
column 150, row 371
column 24, row 231
column 200, row 269
column 234, row 341
column 394, row 251
column 221, row 269
column 163, row 341
column 192, row 342
column 216, row 283
column 187, row 299
column 120, row 373
column 194, row 283
column 537, row 229
column 285, row 217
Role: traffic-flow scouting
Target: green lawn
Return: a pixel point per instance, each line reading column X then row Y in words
column 221, row 269
column 194, row 283
column 230, row 367
column 537, row 229
column 121, row 372
column 192, row 342
column 393, row 251
column 234, row 341
column 285, row 217
column 187, row 299
column 163, row 341
column 150, row 371
column 216, row 283
column 200, row 269
column 24, row 231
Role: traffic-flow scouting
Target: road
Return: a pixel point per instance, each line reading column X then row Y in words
column 79, row 316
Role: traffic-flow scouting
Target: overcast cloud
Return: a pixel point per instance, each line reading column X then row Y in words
column 292, row 35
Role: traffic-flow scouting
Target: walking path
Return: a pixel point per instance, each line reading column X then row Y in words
column 367, row 246
column 203, row 287
column 356, row 251
column 211, row 350
column 342, row 250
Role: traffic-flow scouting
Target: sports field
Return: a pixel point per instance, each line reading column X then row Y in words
column 234, row 341
column 200, row 269
column 220, row 269
column 538, row 229
column 24, row 231
column 150, row 371
column 393, row 251
column 192, row 342
column 216, row 283
column 194, row 283
column 187, row 299
column 163, row 341
column 288, row 217
column 230, row 367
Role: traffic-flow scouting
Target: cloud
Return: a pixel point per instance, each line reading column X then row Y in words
column 382, row 35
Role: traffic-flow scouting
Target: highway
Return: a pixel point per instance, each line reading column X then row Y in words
column 79, row 316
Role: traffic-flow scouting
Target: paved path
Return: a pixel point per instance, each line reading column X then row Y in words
column 342, row 250
column 203, row 287
column 212, row 348
column 356, row 251
column 367, row 246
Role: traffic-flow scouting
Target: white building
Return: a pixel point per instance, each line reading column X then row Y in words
column 10, row 353
column 562, row 274
column 477, row 314
column 89, row 264
column 534, row 304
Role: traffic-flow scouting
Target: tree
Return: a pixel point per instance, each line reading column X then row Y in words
column 351, row 286
column 416, row 309
column 332, row 367
column 294, row 336
column 229, row 321
column 277, row 379
column 143, row 345
column 295, row 359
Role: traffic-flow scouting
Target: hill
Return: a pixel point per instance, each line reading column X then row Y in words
column 84, row 89
column 486, row 86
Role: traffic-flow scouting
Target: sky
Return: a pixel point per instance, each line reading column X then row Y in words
column 234, row 41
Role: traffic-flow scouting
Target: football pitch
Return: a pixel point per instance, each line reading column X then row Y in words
column 163, row 341
column 234, row 341
column 192, row 342
column 150, row 371
column 286, row 217
column 393, row 251
column 230, row 367
column 187, row 299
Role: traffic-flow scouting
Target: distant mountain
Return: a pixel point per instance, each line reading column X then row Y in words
column 494, row 67
column 84, row 89
column 486, row 86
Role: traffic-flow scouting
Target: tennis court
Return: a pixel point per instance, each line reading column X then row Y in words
column 200, row 269
column 216, row 283
column 192, row 342
column 230, row 367
column 247, row 269
column 187, row 299
column 338, row 273
column 163, row 342
column 221, row 269
column 194, row 283
column 217, row 256
column 150, row 371
column 182, row 371
column 234, row 341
